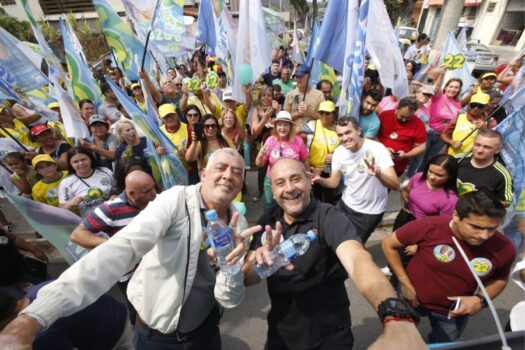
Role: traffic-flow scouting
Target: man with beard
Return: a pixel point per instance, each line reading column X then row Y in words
column 402, row 134
column 367, row 113
column 368, row 174
column 309, row 302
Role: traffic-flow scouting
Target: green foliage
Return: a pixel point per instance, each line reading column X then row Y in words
column 399, row 9
column 20, row 29
column 48, row 31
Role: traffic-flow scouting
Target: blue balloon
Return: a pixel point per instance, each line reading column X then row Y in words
column 245, row 74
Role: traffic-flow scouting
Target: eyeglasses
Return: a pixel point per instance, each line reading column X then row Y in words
column 179, row 85
column 475, row 105
column 192, row 115
column 210, row 126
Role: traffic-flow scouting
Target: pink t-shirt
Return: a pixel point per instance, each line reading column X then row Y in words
column 387, row 104
column 423, row 201
column 443, row 112
column 275, row 149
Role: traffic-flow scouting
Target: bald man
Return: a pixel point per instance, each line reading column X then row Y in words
column 309, row 303
column 174, row 290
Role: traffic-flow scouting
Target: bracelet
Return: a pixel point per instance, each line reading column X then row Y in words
column 391, row 318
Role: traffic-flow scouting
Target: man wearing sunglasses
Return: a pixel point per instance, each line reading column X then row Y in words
column 460, row 136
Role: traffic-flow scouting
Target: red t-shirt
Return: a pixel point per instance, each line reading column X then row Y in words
column 438, row 271
column 400, row 136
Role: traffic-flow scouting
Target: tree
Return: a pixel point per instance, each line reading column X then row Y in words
column 19, row 29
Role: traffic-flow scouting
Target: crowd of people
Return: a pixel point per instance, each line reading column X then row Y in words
column 316, row 170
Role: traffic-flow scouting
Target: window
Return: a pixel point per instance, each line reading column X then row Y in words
column 58, row 7
column 7, row 2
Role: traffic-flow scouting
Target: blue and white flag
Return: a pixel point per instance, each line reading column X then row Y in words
column 356, row 63
column 297, row 51
column 514, row 98
column 453, row 58
column 337, row 32
column 208, row 26
column 512, row 130
column 382, row 45
column 16, row 68
column 462, row 39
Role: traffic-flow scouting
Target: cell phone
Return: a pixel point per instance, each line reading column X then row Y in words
column 199, row 131
column 455, row 306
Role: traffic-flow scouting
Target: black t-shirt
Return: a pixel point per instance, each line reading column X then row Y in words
column 311, row 301
column 11, row 261
column 494, row 178
column 61, row 148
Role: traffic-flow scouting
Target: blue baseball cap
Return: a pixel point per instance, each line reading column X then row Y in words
column 303, row 70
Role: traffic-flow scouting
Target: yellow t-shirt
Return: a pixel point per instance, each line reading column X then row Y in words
column 47, row 193
column 194, row 100
column 461, row 130
column 20, row 132
column 179, row 139
column 324, row 141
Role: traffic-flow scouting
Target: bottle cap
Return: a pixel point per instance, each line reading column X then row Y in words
column 211, row 215
column 312, row 236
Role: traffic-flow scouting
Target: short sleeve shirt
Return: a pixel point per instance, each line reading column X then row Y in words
column 275, row 150
column 369, row 125
column 423, row 201
column 438, row 270
column 400, row 136
column 313, row 98
column 363, row 193
column 47, row 192
column 443, row 112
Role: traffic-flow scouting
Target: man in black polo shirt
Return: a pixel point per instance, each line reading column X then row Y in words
column 309, row 302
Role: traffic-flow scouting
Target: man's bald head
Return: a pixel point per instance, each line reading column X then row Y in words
column 140, row 188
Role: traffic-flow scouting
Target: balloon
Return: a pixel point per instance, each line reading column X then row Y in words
column 245, row 73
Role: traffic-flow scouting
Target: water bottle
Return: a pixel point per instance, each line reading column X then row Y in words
column 221, row 236
column 286, row 252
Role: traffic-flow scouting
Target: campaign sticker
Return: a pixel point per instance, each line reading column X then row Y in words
column 444, row 253
column 482, row 266
column 394, row 135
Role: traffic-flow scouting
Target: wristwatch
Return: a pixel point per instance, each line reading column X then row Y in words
column 483, row 300
column 398, row 309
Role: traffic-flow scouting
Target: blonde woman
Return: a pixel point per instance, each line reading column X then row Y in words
column 232, row 128
column 131, row 145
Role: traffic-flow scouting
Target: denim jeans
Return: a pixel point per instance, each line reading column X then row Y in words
column 443, row 329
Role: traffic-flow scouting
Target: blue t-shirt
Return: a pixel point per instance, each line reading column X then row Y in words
column 369, row 125
column 98, row 326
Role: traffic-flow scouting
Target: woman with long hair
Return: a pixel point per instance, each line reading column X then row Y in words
column 213, row 140
column 87, row 186
column 283, row 143
column 443, row 109
column 262, row 114
column 232, row 128
column 431, row 192
column 87, row 109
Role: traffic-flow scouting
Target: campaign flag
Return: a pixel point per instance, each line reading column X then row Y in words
column 16, row 68
column 512, row 130
column 54, row 224
column 273, row 22
column 252, row 43
column 297, row 52
column 165, row 19
column 357, row 63
column 121, row 39
column 327, row 73
column 462, row 39
column 381, row 44
column 74, row 124
column 337, row 33
column 514, row 98
column 47, row 53
column 148, row 124
column 208, row 26
column 453, row 58
column 314, row 42
column 223, row 50
column 83, row 84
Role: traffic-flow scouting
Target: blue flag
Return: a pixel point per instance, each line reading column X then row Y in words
column 207, row 26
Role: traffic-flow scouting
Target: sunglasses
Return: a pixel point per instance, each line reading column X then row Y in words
column 179, row 85
column 192, row 115
column 476, row 105
column 210, row 126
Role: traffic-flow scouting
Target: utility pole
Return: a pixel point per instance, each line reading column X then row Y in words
column 450, row 14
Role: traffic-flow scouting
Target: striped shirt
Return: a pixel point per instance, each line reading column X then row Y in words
column 111, row 216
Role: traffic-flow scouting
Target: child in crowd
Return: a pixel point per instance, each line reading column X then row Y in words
column 46, row 189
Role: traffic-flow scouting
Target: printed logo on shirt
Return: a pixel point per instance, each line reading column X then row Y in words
column 465, row 127
column 52, row 193
column 394, row 135
column 104, row 182
column 444, row 253
column 465, row 187
column 4, row 240
column 361, row 168
column 482, row 266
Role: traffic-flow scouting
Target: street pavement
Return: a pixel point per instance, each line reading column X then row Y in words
column 244, row 327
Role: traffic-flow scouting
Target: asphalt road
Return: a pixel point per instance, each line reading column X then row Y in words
column 244, row 327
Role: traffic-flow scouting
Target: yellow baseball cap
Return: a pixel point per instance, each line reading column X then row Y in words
column 326, row 106
column 53, row 105
column 42, row 158
column 488, row 75
column 134, row 85
column 167, row 108
column 481, row 98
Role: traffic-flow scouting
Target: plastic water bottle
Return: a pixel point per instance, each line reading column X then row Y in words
column 221, row 236
column 286, row 252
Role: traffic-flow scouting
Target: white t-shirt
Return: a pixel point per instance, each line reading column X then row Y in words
column 415, row 54
column 95, row 189
column 363, row 193
column 8, row 146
